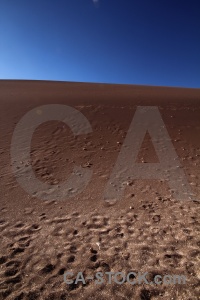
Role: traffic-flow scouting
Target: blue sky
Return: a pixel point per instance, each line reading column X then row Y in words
column 135, row 42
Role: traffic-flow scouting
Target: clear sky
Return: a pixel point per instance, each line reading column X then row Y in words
column 152, row 42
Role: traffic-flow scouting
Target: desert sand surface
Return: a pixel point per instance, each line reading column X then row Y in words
column 147, row 230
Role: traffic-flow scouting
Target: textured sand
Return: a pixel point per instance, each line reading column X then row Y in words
column 147, row 230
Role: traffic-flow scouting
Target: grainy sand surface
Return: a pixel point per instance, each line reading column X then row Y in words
column 148, row 230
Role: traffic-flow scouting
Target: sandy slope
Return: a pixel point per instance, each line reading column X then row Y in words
column 147, row 230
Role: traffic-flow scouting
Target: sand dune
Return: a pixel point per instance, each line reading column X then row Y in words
column 147, row 230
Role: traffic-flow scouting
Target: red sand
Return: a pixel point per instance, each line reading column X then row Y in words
column 147, row 230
